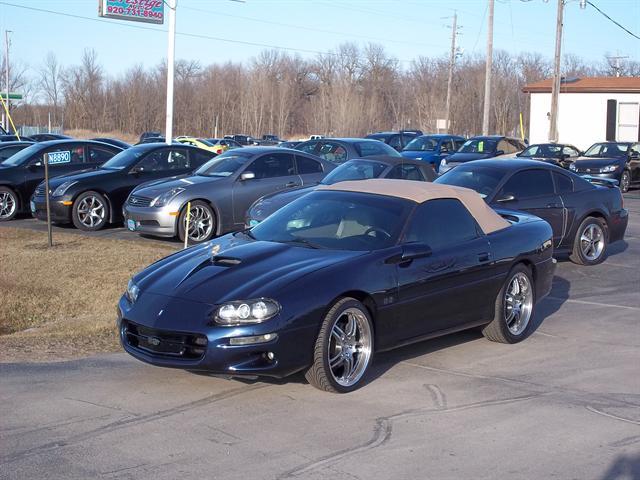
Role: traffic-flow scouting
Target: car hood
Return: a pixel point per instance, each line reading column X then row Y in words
column 90, row 174
column 467, row 157
column 6, row 167
column 273, row 201
column 587, row 162
column 241, row 269
column 158, row 187
column 423, row 155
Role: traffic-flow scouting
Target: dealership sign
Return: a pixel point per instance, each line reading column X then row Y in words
column 151, row 11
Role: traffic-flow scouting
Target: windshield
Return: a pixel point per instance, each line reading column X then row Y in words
column 483, row 180
column 479, row 145
column 124, row 159
column 337, row 220
column 355, row 170
column 23, row 155
column 223, row 165
column 10, row 151
column 607, row 150
column 422, row 144
column 543, row 151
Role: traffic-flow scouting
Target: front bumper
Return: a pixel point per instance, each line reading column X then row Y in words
column 170, row 332
column 150, row 220
column 610, row 175
column 60, row 213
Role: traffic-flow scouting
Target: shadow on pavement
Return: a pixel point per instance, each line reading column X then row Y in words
column 624, row 467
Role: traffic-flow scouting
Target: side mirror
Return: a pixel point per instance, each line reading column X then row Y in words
column 247, row 176
column 518, row 154
column 136, row 171
column 410, row 251
column 35, row 166
column 506, row 198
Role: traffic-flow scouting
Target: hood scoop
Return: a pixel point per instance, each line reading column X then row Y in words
column 222, row 261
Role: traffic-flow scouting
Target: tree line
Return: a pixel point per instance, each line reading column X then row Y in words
column 350, row 91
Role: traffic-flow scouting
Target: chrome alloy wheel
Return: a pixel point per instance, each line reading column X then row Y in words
column 7, row 205
column 91, row 211
column 592, row 241
column 350, row 347
column 625, row 181
column 518, row 303
column 200, row 223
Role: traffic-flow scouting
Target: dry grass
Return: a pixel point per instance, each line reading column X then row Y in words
column 86, row 134
column 60, row 302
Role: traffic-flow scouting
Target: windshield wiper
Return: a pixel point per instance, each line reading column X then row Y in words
column 301, row 241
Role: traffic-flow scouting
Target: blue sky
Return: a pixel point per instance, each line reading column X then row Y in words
column 406, row 28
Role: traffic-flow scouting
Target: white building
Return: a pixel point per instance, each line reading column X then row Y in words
column 590, row 110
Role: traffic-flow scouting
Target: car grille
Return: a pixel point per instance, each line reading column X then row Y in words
column 587, row 170
column 161, row 343
column 137, row 201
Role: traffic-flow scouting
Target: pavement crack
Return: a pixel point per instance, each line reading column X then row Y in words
column 117, row 409
column 383, row 428
column 610, row 415
column 127, row 422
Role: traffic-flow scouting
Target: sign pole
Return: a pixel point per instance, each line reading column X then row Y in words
column 171, row 53
column 46, row 193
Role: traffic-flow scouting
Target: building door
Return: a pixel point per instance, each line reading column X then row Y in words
column 628, row 118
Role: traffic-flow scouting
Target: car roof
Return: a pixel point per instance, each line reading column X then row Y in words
column 390, row 160
column 14, row 143
column 508, row 163
column 420, row 192
column 62, row 141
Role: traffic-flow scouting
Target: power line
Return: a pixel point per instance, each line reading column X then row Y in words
column 612, row 20
column 312, row 29
column 183, row 34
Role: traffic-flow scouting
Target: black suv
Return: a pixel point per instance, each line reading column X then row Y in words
column 21, row 173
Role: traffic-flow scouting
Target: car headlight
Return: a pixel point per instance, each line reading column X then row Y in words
column 166, row 197
column 62, row 188
column 418, row 158
column 573, row 167
column 609, row 168
column 133, row 291
column 246, row 312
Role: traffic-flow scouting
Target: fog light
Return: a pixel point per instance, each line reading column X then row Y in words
column 202, row 341
column 267, row 337
column 270, row 355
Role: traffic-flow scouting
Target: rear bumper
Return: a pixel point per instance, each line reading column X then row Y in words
column 618, row 225
column 544, row 272
column 150, row 221
column 59, row 213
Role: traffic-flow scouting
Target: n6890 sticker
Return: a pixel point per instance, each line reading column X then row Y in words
column 59, row 157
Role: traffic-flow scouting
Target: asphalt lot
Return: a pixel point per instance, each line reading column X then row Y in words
column 565, row 403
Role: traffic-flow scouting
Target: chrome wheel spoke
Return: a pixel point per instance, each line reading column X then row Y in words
column 518, row 303
column 350, row 347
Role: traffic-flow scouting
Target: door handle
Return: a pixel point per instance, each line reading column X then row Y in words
column 291, row 184
column 554, row 205
column 484, row 257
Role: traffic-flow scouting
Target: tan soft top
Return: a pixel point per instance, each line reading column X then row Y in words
column 421, row 192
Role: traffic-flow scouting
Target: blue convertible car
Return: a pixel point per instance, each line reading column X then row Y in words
column 337, row 275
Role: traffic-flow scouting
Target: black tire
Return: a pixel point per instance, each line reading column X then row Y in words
column 625, row 181
column 578, row 254
column 195, row 205
column 9, row 204
column 320, row 374
column 498, row 330
column 85, row 221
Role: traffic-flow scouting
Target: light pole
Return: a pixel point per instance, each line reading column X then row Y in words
column 488, row 71
column 171, row 65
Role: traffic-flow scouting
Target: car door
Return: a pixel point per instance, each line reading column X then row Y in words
column 447, row 288
column 533, row 191
column 634, row 162
column 159, row 163
column 571, row 203
column 272, row 172
column 310, row 171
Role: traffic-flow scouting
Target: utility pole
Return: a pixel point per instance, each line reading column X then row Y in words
column 5, row 120
column 452, row 61
column 488, row 72
column 555, row 87
column 616, row 66
column 171, row 65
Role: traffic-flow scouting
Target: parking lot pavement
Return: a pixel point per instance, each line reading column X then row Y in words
column 565, row 403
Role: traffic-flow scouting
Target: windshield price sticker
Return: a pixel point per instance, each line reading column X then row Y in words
column 54, row 158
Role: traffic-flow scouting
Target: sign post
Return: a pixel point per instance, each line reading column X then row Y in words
column 46, row 196
column 171, row 65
